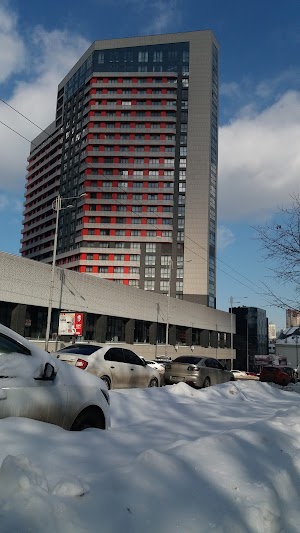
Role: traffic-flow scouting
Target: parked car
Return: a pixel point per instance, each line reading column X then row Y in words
column 157, row 366
column 35, row 385
column 197, row 371
column 117, row 367
column 154, row 364
column 239, row 374
column 242, row 374
column 280, row 374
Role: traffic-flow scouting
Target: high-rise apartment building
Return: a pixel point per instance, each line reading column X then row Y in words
column 272, row 332
column 136, row 132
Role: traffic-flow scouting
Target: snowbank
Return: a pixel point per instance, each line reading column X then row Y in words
column 223, row 459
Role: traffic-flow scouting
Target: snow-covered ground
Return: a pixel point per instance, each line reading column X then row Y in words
column 223, row 459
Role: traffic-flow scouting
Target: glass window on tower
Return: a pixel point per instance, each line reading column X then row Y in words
column 151, row 247
column 164, row 286
column 149, row 285
column 150, row 272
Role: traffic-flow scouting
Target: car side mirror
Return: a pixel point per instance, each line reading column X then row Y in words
column 49, row 373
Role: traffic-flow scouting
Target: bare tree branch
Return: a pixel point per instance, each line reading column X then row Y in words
column 281, row 246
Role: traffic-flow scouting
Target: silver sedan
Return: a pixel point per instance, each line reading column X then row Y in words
column 197, row 371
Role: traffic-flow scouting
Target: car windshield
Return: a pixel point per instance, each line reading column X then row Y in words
column 188, row 359
column 80, row 349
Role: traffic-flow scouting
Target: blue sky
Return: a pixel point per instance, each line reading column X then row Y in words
column 259, row 164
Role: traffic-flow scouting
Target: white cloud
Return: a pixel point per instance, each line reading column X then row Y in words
column 12, row 49
column 160, row 15
column 225, row 237
column 3, row 202
column 51, row 55
column 230, row 89
column 259, row 159
column 165, row 13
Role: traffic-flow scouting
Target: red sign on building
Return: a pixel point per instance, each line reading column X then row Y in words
column 78, row 324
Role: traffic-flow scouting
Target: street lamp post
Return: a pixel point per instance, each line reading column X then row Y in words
column 168, row 305
column 231, row 333
column 247, row 344
column 56, row 206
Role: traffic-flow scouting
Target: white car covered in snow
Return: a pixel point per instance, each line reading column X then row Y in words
column 118, row 367
column 35, row 385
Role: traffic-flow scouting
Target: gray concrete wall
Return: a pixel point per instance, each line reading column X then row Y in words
column 24, row 281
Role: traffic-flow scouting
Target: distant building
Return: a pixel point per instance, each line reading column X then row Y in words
column 292, row 318
column 272, row 332
column 251, row 336
column 272, row 348
column 288, row 345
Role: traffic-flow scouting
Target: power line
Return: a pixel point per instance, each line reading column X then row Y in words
column 21, row 114
column 20, row 135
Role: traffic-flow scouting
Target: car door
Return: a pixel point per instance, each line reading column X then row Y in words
column 221, row 374
column 212, row 371
column 118, row 367
column 25, row 390
column 139, row 376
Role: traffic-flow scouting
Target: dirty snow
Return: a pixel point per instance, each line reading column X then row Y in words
column 223, row 459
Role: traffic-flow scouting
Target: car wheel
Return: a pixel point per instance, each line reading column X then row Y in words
column 232, row 379
column 92, row 417
column 153, row 382
column 206, row 383
column 106, row 381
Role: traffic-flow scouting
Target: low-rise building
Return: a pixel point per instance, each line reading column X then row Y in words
column 111, row 312
column 288, row 345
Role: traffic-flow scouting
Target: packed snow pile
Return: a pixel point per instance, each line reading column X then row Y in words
column 223, row 459
column 26, row 501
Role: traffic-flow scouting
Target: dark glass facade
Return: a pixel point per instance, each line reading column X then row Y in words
column 172, row 57
column 251, row 335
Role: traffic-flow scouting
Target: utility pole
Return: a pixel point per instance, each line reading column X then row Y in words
column 157, row 313
column 247, row 344
column 168, row 306
column 56, row 206
column 231, row 333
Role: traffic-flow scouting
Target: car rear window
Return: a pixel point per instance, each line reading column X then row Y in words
column 80, row 349
column 270, row 369
column 288, row 370
column 187, row 359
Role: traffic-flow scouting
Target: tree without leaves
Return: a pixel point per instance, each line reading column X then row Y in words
column 281, row 244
